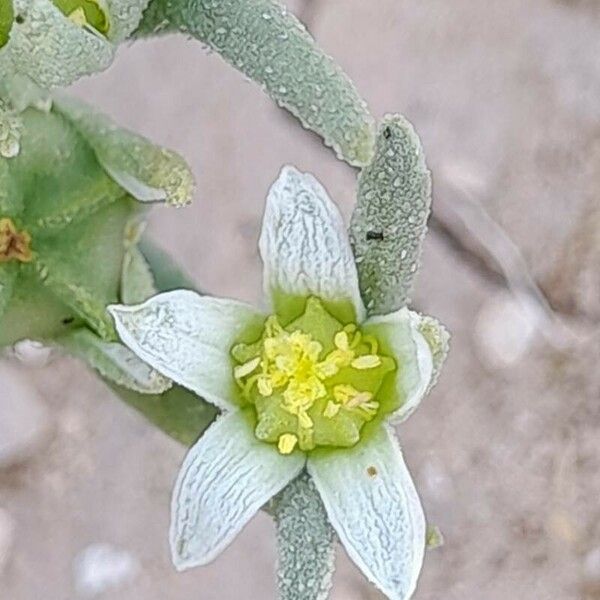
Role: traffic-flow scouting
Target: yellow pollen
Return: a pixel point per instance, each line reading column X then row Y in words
column 368, row 361
column 14, row 245
column 295, row 377
column 287, row 442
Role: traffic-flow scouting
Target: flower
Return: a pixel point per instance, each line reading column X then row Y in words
column 315, row 384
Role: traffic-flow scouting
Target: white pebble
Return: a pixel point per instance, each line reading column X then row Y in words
column 101, row 567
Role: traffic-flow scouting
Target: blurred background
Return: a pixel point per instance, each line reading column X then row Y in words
column 506, row 450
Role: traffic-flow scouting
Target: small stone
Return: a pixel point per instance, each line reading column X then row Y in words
column 505, row 329
column 102, row 567
column 32, row 354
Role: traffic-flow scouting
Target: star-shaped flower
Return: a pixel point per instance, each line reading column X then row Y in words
column 315, row 385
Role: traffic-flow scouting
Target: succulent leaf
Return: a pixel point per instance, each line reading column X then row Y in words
column 270, row 46
column 148, row 172
column 390, row 219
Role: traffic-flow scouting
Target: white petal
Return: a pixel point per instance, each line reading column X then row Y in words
column 187, row 337
column 304, row 244
column 400, row 332
column 372, row 503
column 225, row 479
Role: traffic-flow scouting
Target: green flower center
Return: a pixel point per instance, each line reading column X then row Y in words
column 313, row 382
column 14, row 244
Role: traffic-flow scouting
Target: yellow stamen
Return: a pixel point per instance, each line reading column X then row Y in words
column 368, row 361
column 331, row 410
column 248, row 367
column 287, row 442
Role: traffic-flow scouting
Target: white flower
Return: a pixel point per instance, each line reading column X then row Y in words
column 312, row 386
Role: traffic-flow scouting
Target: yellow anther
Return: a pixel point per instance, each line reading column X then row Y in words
column 286, row 443
column 350, row 398
column 343, row 393
column 368, row 361
column 264, row 385
column 14, row 244
column 360, row 399
column 304, row 420
column 244, row 370
column 331, row 410
column 341, row 341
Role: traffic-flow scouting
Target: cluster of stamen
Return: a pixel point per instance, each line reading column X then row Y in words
column 293, row 366
column 14, row 244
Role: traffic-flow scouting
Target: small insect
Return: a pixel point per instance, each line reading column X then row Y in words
column 387, row 133
column 68, row 320
column 374, row 235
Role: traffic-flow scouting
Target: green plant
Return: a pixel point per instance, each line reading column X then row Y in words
column 73, row 192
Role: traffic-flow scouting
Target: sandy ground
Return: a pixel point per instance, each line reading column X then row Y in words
column 505, row 451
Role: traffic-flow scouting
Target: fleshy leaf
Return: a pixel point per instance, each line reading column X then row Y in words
column 137, row 280
column 59, row 175
column 6, row 20
column 390, row 219
column 148, row 172
column 304, row 245
column 115, row 362
column 188, row 338
column 270, row 46
column 125, row 17
column 82, row 266
column 50, row 48
column 400, row 337
column 305, row 541
column 373, row 505
column 225, row 479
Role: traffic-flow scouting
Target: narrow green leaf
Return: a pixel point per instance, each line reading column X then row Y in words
column 82, row 266
column 305, row 542
column 168, row 275
column 137, row 281
column 390, row 219
column 148, row 172
column 59, row 175
column 269, row 45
